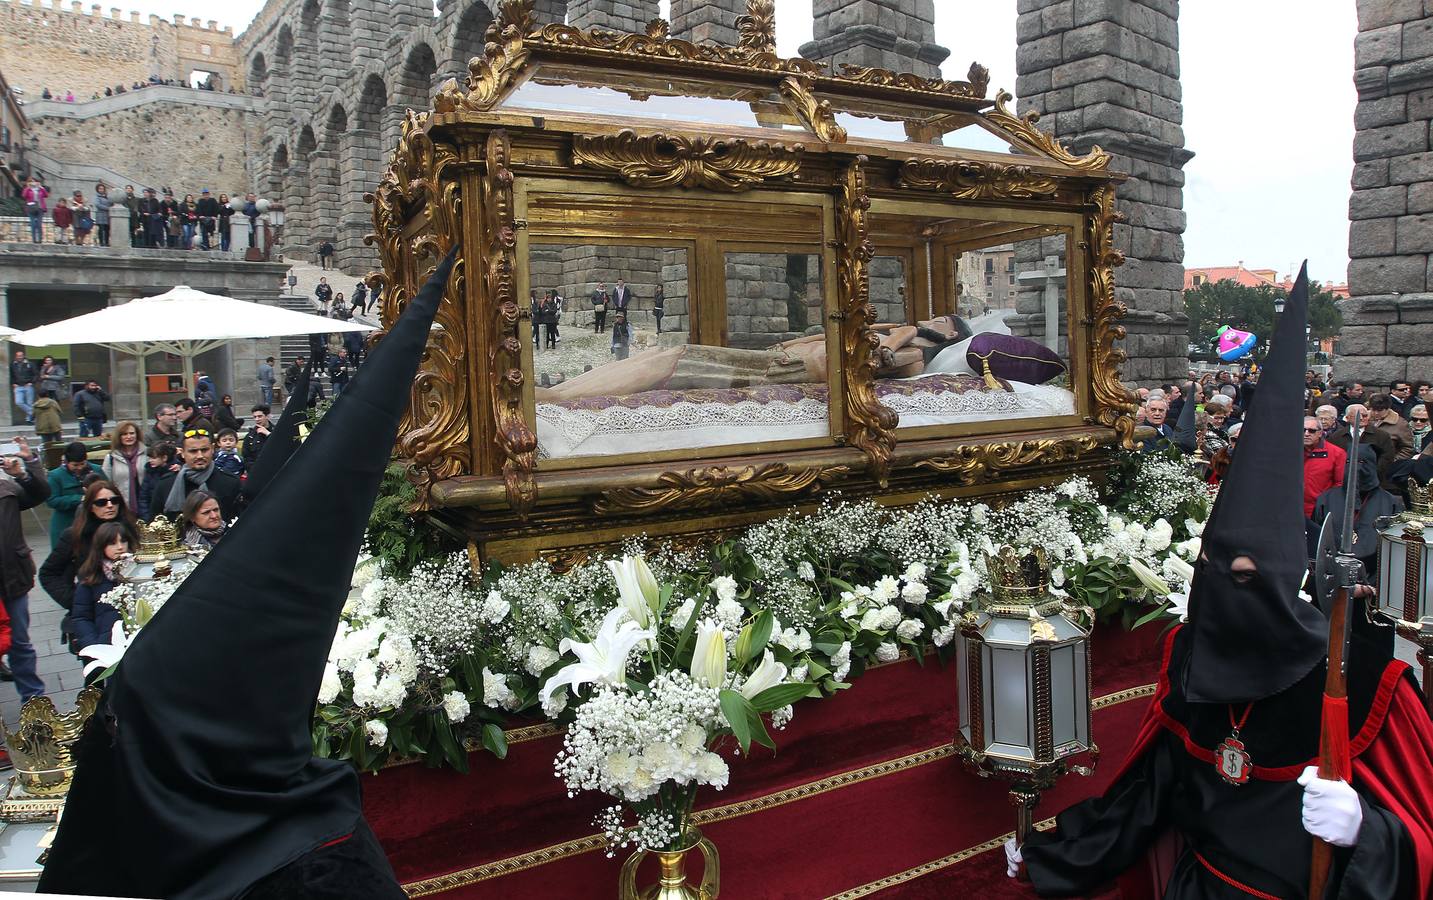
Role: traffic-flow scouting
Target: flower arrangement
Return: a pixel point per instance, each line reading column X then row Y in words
column 653, row 698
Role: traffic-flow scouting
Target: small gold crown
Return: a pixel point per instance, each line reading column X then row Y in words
column 1016, row 579
column 42, row 746
column 157, row 541
column 1420, row 500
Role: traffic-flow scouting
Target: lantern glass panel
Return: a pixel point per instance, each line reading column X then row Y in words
column 1010, row 699
column 1064, row 669
column 1007, row 632
column 1405, row 586
column 962, row 668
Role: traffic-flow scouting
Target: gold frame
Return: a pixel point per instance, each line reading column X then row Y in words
column 468, row 174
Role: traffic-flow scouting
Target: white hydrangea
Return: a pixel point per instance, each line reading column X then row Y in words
column 841, row 662
column 887, row 651
column 456, row 706
column 539, row 658
column 805, row 571
column 915, row 572
column 682, row 614
column 495, row 608
column 913, row 592
column 797, row 640
column 910, row 629
column 728, row 614
column 890, row 617
column 943, row 635
column 496, row 692
column 725, row 587
column 886, row 589
column 331, row 686
column 377, row 731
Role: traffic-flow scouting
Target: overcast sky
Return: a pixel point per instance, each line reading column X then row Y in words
column 1268, row 112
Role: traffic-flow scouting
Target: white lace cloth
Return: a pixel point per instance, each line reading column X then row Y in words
column 563, row 432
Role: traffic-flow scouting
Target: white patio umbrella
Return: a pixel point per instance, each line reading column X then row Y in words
column 181, row 321
column 8, row 332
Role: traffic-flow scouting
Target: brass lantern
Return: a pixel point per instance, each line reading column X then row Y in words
column 1405, row 571
column 1025, row 697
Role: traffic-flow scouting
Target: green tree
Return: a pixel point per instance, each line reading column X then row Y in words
column 1211, row 306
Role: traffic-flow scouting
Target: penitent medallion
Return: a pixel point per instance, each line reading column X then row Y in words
column 1234, row 763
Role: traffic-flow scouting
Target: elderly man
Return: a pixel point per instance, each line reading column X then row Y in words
column 165, row 429
column 1328, row 418
column 1373, row 437
column 1388, row 421
column 1323, row 465
column 198, row 472
column 1156, row 415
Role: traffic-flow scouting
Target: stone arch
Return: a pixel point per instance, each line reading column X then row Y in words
column 258, row 71
column 374, row 97
column 308, row 22
column 415, row 79
column 284, row 48
column 336, row 128
column 306, row 143
column 278, row 169
column 467, row 37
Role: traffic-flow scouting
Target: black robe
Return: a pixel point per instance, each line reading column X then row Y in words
column 1251, row 835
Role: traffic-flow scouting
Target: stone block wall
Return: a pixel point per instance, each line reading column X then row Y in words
column 63, row 47
column 888, row 288
column 703, row 21
column 1106, row 72
column 158, row 144
column 616, row 15
column 1388, row 318
column 888, row 34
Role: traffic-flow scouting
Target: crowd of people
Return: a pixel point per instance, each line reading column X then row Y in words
column 158, row 220
column 1395, row 440
column 207, row 84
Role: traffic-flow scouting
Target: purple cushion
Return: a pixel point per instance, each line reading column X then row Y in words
column 1014, row 358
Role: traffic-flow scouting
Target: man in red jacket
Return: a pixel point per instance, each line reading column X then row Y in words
column 1324, row 464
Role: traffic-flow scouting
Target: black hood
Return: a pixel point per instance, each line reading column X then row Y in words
column 1185, row 436
column 284, row 439
column 209, row 783
column 1253, row 637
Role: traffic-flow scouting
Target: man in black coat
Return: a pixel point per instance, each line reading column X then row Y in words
column 198, row 472
column 151, row 213
column 600, row 300
column 208, row 211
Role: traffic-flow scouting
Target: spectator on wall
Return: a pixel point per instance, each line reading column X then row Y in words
column 84, row 218
column 136, row 221
column 325, row 255
column 208, row 211
column 102, row 205
column 188, row 220
column 151, row 213
column 35, row 196
column 226, row 216
column 22, row 382
column 63, row 218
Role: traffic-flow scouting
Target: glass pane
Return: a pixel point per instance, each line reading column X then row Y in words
column 745, row 366
column 976, row 136
column 904, row 124
column 973, row 349
column 603, row 94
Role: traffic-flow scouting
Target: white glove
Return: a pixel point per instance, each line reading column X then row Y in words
column 1013, row 859
column 1332, row 811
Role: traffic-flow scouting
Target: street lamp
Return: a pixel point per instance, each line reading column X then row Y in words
column 1278, row 305
column 1024, row 704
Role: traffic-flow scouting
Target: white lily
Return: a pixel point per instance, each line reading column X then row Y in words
column 604, row 661
column 1179, row 606
column 106, row 655
column 1181, row 568
column 709, row 656
column 769, row 674
column 1148, row 578
column 637, row 588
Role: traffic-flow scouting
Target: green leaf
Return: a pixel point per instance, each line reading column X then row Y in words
column 685, row 637
column 738, row 714
column 495, row 741
column 754, row 637
column 452, row 750
column 778, row 696
column 473, row 673
column 1150, row 616
column 759, row 733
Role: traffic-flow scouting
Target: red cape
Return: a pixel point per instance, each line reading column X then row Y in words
column 1392, row 754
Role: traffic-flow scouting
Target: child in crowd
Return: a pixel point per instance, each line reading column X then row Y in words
column 47, row 417
column 64, row 217
column 226, row 458
column 621, row 337
column 93, row 620
column 159, row 460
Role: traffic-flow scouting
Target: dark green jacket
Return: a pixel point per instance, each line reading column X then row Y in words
column 66, row 493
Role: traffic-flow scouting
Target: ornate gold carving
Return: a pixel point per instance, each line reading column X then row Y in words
column 1114, row 404
column 973, row 89
column 433, row 436
column 657, row 44
column 813, row 112
column 757, row 29
column 870, row 426
column 971, row 463
column 660, row 160
column 1023, row 129
column 718, row 485
column 976, row 181
column 505, row 53
column 516, row 441
column 42, row 744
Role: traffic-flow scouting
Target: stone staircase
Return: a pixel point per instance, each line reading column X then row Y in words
column 301, row 299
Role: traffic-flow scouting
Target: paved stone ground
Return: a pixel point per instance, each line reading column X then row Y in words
column 61, row 671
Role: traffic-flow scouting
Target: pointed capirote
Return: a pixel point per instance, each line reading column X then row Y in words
column 208, row 781
column 1252, row 634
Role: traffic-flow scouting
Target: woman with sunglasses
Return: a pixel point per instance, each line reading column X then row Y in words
column 1418, row 424
column 102, row 503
